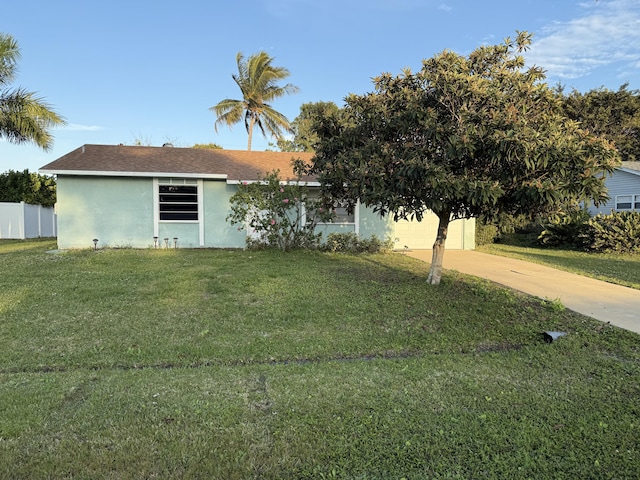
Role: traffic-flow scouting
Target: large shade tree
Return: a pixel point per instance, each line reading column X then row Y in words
column 24, row 117
column 614, row 115
column 464, row 136
column 304, row 137
column 257, row 79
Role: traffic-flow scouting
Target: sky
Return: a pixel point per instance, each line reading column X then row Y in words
column 122, row 71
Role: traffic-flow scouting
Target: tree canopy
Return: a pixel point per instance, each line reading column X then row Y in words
column 24, row 117
column 207, row 146
column 614, row 115
column 257, row 79
column 464, row 136
column 304, row 137
column 28, row 187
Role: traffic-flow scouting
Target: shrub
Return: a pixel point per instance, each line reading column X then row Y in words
column 564, row 228
column 504, row 227
column 278, row 214
column 486, row 233
column 351, row 243
column 618, row 232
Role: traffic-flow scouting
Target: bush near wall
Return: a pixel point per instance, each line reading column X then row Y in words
column 504, row 227
column 351, row 243
column 617, row 232
column 486, row 233
column 564, row 228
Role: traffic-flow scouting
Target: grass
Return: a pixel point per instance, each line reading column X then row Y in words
column 621, row 269
column 229, row 364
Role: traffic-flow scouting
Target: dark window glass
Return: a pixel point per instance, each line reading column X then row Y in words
column 178, row 202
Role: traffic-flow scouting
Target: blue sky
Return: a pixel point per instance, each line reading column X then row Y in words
column 121, row 70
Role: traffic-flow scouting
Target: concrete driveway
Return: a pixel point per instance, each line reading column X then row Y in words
column 600, row 300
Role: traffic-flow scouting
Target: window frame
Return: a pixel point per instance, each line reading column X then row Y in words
column 352, row 218
column 195, row 195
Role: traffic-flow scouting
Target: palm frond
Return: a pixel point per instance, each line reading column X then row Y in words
column 258, row 80
column 228, row 111
column 27, row 118
column 9, row 56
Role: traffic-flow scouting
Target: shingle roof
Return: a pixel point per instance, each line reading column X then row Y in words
column 120, row 160
column 635, row 166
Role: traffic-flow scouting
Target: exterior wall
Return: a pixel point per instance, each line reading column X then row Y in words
column 620, row 183
column 123, row 212
column 21, row 221
column 117, row 211
column 218, row 232
column 372, row 223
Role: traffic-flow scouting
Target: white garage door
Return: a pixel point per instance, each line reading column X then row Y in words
column 421, row 235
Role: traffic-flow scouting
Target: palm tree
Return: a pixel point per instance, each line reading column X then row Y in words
column 24, row 117
column 257, row 79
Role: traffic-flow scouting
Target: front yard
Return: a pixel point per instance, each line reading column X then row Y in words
column 231, row 364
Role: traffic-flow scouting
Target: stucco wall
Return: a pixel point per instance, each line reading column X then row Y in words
column 218, row 232
column 119, row 212
column 116, row 211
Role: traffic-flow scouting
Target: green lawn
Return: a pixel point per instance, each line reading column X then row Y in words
column 622, row 269
column 234, row 365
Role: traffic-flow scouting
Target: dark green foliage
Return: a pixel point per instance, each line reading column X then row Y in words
column 352, row 243
column 304, row 138
column 485, row 233
column 564, row 228
column 31, row 188
column 464, row 136
column 617, row 232
column 612, row 115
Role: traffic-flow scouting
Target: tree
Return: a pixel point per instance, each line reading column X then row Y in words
column 24, row 117
column 613, row 115
column 304, row 138
column 27, row 187
column 207, row 146
column 464, row 136
column 277, row 213
column 257, row 79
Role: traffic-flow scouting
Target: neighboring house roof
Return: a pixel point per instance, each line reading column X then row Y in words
column 631, row 167
column 119, row 160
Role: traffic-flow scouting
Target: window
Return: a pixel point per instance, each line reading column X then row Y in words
column 342, row 215
column 178, row 200
column 627, row 202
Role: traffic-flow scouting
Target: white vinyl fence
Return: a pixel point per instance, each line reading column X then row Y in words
column 21, row 220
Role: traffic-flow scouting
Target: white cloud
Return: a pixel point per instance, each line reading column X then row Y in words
column 74, row 127
column 607, row 33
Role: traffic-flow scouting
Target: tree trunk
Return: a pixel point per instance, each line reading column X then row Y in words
column 435, row 273
column 250, row 132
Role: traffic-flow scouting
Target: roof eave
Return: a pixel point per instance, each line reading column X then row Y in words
column 630, row 170
column 96, row 173
column 301, row 183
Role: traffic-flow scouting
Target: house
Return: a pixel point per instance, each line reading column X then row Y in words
column 132, row 196
column 624, row 190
